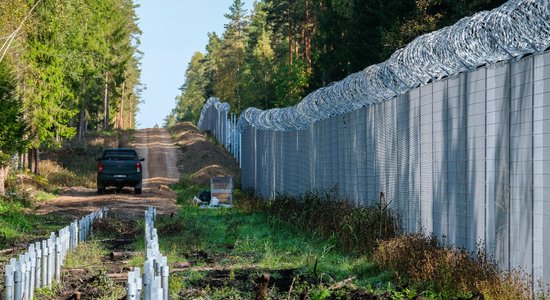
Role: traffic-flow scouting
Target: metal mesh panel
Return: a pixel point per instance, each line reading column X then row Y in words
column 426, row 167
column 414, row 162
column 497, row 192
column 475, row 158
column 439, row 156
column 541, row 160
column 403, row 146
column 521, row 164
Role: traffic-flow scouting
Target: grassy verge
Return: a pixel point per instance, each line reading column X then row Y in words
column 229, row 249
column 72, row 165
column 18, row 226
column 324, row 248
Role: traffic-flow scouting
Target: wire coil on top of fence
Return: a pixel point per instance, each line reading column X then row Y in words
column 517, row 28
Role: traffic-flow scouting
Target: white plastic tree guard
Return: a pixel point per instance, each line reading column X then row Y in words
column 40, row 266
column 153, row 283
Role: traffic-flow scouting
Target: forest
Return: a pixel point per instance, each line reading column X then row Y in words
column 66, row 67
column 282, row 50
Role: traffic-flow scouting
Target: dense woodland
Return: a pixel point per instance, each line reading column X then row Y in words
column 284, row 49
column 66, row 67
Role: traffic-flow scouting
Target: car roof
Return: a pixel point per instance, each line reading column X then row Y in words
column 120, row 149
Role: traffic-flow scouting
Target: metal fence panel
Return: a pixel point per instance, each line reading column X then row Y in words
column 465, row 158
column 521, row 164
column 439, row 158
column 475, row 130
column 497, row 192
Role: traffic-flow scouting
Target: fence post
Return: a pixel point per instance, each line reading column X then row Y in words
column 9, row 282
column 51, row 261
column 58, row 259
column 147, row 280
column 131, row 286
column 32, row 270
column 156, row 288
column 139, row 282
column 45, row 259
column 165, row 272
column 24, row 275
column 17, row 281
column 38, row 271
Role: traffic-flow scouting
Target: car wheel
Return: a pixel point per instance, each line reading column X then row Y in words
column 137, row 191
column 101, row 191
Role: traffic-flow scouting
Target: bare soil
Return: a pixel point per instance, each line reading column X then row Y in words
column 200, row 158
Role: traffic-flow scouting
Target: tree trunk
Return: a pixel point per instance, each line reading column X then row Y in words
column 121, row 109
column 30, row 159
column 131, row 117
column 106, row 103
column 82, row 116
column 81, row 124
column 3, row 174
column 36, row 161
column 308, row 38
column 290, row 33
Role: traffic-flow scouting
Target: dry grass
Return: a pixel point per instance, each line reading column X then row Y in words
column 421, row 262
column 74, row 164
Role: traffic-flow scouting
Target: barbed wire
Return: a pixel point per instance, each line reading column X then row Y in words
column 513, row 30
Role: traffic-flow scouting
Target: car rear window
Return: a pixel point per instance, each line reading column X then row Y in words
column 120, row 155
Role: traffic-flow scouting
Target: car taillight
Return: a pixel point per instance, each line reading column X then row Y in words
column 100, row 167
column 138, row 167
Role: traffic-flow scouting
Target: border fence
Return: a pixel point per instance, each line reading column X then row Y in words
column 40, row 265
column 454, row 129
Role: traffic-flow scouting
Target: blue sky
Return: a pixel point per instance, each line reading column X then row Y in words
column 172, row 31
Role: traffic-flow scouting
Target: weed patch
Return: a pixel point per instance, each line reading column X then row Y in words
column 421, row 263
column 351, row 228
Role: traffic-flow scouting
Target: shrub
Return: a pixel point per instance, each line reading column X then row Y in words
column 421, row 262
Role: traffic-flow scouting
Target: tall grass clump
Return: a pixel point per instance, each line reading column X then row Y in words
column 423, row 263
column 355, row 229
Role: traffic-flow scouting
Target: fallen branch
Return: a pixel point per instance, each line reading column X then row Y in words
column 7, row 251
column 122, row 255
column 342, row 283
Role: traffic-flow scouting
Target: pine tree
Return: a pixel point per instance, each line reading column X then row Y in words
column 13, row 129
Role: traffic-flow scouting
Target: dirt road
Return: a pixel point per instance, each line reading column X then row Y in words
column 159, row 170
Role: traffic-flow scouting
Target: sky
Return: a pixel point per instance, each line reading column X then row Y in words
column 172, row 31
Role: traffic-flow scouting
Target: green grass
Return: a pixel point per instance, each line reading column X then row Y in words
column 238, row 240
column 18, row 225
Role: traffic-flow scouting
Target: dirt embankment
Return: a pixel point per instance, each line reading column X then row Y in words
column 200, row 158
